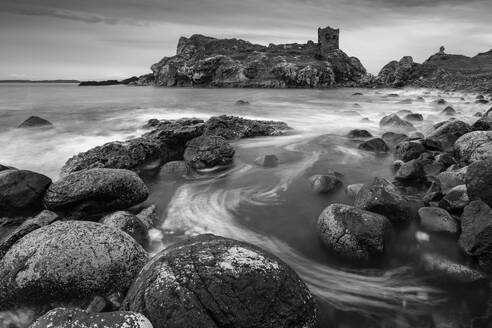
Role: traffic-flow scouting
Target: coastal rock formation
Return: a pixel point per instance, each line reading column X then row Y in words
column 376, row 145
column 208, row 151
column 211, row 281
column 67, row 261
column 479, row 181
column 129, row 223
column 322, row 183
column 234, row 127
column 474, row 146
column 444, row 136
column 206, row 61
column 34, row 122
column 435, row 219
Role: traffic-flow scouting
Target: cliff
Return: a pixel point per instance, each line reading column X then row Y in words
column 209, row 62
column 443, row 71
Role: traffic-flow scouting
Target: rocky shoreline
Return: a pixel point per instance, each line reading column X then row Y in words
column 75, row 247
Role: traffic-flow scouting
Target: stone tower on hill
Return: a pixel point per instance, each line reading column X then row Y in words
column 328, row 40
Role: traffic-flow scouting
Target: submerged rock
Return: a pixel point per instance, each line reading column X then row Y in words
column 414, row 117
column 234, row 127
column 353, row 233
column 436, row 219
column 353, row 189
column 267, row 160
column 359, row 134
column 66, row 261
column 392, row 138
column 175, row 169
column 211, row 281
column 376, row 145
column 35, row 121
column 322, row 183
column 208, row 151
column 443, row 270
column 449, row 111
column 479, row 181
column 474, row 146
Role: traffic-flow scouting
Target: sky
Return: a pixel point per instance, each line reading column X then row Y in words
column 104, row 39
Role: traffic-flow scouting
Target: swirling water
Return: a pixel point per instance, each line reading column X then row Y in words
column 272, row 208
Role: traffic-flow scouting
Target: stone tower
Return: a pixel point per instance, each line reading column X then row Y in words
column 328, row 40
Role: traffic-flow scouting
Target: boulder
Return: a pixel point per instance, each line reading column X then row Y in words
column 408, row 150
column 175, row 169
column 211, row 281
column 382, row 197
column 322, row 183
column 77, row 318
column 21, row 191
column 34, row 122
column 357, row 133
column 483, row 124
column 208, row 151
column 448, row 111
column 353, row 189
column 129, row 223
column 446, row 135
column 415, row 117
column 95, row 191
column 392, row 138
column 148, row 216
column 393, row 121
column 69, row 260
column 234, row 127
column 476, row 233
column 479, row 181
column 352, row 233
column 415, row 135
column 455, row 199
column 267, row 160
column 241, row 102
column 474, row 146
column 376, row 145
column 411, row 170
column 451, row 179
column 444, row 271
column 436, row 219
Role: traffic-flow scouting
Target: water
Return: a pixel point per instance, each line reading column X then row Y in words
column 270, row 207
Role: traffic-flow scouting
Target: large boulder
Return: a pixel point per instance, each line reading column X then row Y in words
column 393, row 121
column 452, row 178
column 129, row 223
column 357, row 133
column 95, row 191
column 411, row 171
column 446, row 134
column 382, row 197
column 476, row 233
column 408, row 150
column 66, row 261
column 392, row 138
column 474, row 146
column 34, row 122
column 211, row 281
column 479, row 181
column 208, row 151
column 233, row 127
column 77, row 318
column 21, row 191
column 376, row 145
column 436, row 219
column 483, row 124
column 175, row 169
column 455, row 199
column 353, row 233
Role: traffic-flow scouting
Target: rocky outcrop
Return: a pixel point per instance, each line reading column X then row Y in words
column 323, row 183
column 234, row 127
column 210, row 281
column 34, row 122
column 445, row 135
column 376, row 145
column 397, row 73
column 207, row 152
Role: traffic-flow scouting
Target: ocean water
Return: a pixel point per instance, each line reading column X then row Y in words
column 273, row 208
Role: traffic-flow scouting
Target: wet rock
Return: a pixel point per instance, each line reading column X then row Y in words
column 448, row 111
column 479, row 181
column 408, row 150
column 21, row 191
column 95, row 191
column 441, row 101
column 353, row 233
column 241, row 102
column 267, row 160
column 446, row 135
column 415, row 135
column 67, row 261
column 455, row 199
column 376, row 145
column 382, row 197
column 322, row 183
column 210, row 281
column 414, row 117
column 443, row 270
column 357, row 94
column 393, row 121
column 175, row 169
column 403, row 112
column 129, row 223
column 34, row 122
column 483, row 124
column 481, row 101
column 359, row 134
column 405, row 102
column 476, row 233
column 77, row 318
column 148, row 216
column 411, row 170
column 392, row 138
column 451, row 179
column 234, row 127
column 474, row 146
column 208, row 151
column 353, row 189
column 436, row 219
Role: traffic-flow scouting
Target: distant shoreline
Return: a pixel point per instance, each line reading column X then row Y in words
column 39, row 81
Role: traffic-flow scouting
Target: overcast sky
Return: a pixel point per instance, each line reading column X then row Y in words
column 102, row 39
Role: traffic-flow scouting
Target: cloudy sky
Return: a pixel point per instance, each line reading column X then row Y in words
column 101, row 39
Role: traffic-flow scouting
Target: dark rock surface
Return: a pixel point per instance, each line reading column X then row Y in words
column 233, row 127
column 208, row 151
column 474, row 146
column 210, row 281
column 394, row 122
column 353, row 233
column 322, row 183
column 175, row 169
column 411, row 170
column 479, row 181
column 444, row 271
column 436, row 219
column 415, row 117
column 448, row 111
column 376, row 145
column 452, row 178
column 408, row 150
column 129, row 223
column 267, row 160
column 392, row 138
column 35, row 121
column 455, row 199
column 446, row 135
column 359, row 134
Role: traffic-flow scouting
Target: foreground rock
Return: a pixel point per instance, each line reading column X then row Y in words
column 446, row 134
column 76, row 318
column 444, row 271
column 207, row 152
column 376, row 145
column 474, row 146
column 359, row 134
column 68, row 261
column 455, row 199
column 234, row 127
column 394, row 122
column 128, row 223
column 21, row 191
column 95, row 191
column 435, row 219
column 479, row 181
column 34, row 122
column 408, row 150
column 210, row 281
column 323, row 183
column 175, row 169
column 352, row 233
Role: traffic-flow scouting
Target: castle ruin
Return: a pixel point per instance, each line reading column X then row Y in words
column 328, row 40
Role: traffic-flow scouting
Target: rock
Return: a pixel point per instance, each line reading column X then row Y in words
column 129, row 223
column 382, row 197
column 446, row 135
column 376, row 145
column 34, row 122
column 241, row 102
column 208, row 151
column 66, row 261
column 148, row 216
column 322, row 183
column 392, row 138
column 451, row 179
column 211, row 281
column 403, row 112
column 357, row 94
column 455, row 200
column 411, row 170
column 77, row 318
column 479, row 181
column 267, row 160
column 408, row 150
column 445, row 271
column 95, row 191
column 474, row 146
column 397, row 73
column 21, row 191
column 449, row 111
column 353, row 233
column 233, row 127
column 483, row 124
column 359, row 134
column 415, row 135
column 476, row 233
column 393, row 121
column 414, row 117
column 435, row 219
column 175, row 169
column 353, row 189
column 481, row 101
column 405, row 102
column 441, row 101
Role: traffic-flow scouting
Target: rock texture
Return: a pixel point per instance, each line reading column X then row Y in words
column 479, row 181
column 323, row 183
column 34, row 122
column 474, row 146
column 446, row 134
column 208, row 151
column 210, row 281
column 234, row 127
column 435, row 219
column 128, row 223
